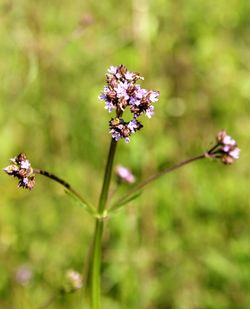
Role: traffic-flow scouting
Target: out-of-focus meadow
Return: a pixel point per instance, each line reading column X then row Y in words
column 185, row 242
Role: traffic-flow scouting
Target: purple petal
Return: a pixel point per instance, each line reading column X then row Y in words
column 129, row 75
column 25, row 164
column 227, row 140
column 125, row 174
column 121, row 90
column 154, row 96
column 235, row 153
column 115, row 135
column 112, row 69
column 132, row 125
column 150, row 111
column 109, row 106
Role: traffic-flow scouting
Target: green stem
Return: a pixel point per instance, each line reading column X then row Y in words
column 96, row 266
column 107, row 177
column 119, row 203
column 68, row 187
column 99, row 224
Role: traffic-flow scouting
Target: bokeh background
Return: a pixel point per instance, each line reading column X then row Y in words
column 184, row 243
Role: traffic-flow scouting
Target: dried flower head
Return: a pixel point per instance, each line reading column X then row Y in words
column 21, row 169
column 122, row 92
column 124, row 174
column 226, row 148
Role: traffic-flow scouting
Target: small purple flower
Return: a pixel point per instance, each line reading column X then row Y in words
column 227, row 140
column 134, row 101
column 103, row 96
column 235, row 153
column 25, row 181
column 150, row 111
column 129, row 75
column 116, row 135
column 124, row 174
column 226, row 148
column 121, row 90
column 153, row 97
column 112, row 69
column 140, row 92
column 109, row 106
column 133, row 125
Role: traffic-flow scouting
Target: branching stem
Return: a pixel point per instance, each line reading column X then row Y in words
column 68, row 187
column 120, row 202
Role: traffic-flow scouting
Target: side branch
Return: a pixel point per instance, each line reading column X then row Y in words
column 152, row 178
column 68, row 187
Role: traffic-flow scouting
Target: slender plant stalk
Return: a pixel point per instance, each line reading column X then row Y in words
column 99, row 224
column 119, row 203
column 107, row 177
column 68, row 187
column 96, row 266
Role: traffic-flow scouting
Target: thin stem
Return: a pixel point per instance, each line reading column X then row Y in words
column 152, row 178
column 68, row 187
column 96, row 266
column 99, row 224
column 210, row 151
column 107, row 177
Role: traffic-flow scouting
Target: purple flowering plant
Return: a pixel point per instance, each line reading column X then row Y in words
column 121, row 92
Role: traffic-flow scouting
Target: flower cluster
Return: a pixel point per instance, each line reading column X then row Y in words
column 122, row 92
column 21, row 168
column 226, row 148
column 119, row 128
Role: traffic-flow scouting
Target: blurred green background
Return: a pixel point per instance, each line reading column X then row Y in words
column 185, row 242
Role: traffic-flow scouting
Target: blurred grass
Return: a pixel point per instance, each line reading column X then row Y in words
column 185, row 242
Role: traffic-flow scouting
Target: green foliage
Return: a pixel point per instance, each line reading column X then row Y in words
column 184, row 243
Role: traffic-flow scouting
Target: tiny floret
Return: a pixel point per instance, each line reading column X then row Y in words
column 235, row 153
column 25, row 164
column 112, row 69
column 121, row 92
